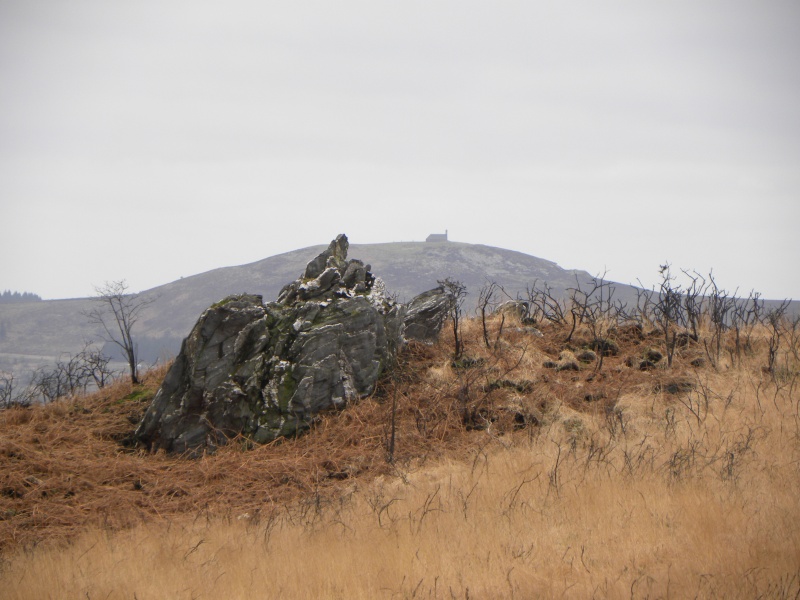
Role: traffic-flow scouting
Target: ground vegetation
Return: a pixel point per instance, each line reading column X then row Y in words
column 607, row 452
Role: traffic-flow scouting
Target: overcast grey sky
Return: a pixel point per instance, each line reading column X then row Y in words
column 151, row 140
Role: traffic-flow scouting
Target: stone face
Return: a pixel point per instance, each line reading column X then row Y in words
column 426, row 314
column 178, row 416
column 265, row 371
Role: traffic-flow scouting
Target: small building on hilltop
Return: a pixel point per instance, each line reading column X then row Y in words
column 437, row 237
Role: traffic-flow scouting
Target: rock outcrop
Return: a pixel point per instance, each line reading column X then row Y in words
column 265, row 370
column 425, row 315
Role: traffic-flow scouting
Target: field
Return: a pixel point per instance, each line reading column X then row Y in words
column 526, row 468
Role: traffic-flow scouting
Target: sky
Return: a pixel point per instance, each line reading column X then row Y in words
column 153, row 140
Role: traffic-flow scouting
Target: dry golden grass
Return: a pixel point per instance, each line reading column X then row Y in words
column 509, row 480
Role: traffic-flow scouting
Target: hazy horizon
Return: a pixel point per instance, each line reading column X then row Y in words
column 152, row 141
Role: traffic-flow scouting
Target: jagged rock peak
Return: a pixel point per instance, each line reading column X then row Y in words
column 335, row 255
column 330, row 274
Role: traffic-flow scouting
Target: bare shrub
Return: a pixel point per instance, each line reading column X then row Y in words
column 458, row 292
column 117, row 312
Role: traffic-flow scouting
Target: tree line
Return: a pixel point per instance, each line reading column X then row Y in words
column 9, row 297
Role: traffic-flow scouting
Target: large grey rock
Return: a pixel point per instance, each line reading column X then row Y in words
column 265, row 371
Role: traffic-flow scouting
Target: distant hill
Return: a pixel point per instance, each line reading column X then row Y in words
column 407, row 268
column 34, row 333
